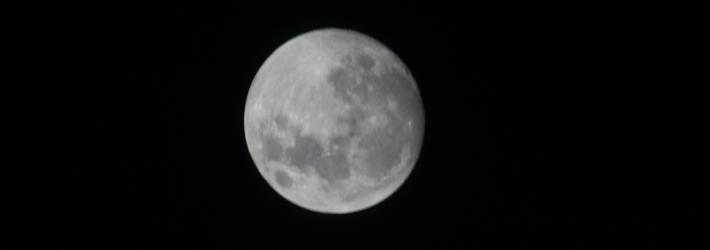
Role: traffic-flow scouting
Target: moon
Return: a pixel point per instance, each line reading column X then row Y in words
column 334, row 121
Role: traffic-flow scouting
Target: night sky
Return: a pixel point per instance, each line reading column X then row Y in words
column 532, row 137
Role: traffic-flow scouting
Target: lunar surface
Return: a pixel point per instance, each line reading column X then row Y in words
column 334, row 121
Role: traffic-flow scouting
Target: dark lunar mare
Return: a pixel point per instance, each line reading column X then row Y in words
column 385, row 144
column 306, row 151
column 273, row 150
column 273, row 147
column 390, row 83
column 282, row 179
column 365, row 61
column 384, row 149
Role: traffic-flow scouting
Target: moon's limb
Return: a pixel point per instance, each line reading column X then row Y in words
column 366, row 115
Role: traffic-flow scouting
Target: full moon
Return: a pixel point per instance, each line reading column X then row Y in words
column 334, row 121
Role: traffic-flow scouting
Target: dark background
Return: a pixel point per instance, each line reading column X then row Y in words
column 543, row 126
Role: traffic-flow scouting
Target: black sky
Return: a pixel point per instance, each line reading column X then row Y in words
column 531, row 141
